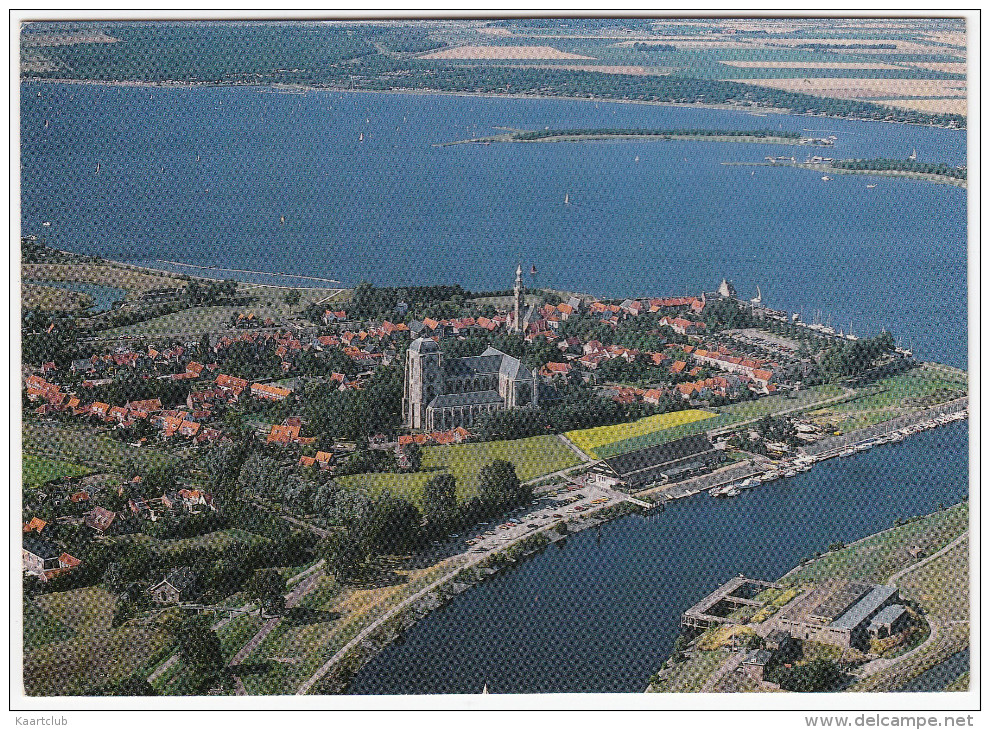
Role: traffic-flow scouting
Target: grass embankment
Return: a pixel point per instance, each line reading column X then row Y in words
column 774, row 404
column 83, row 444
column 36, row 470
column 605, row 441
column 533, row 457
column 898, row 174
column 879, row 556
column 92, row 652
column 639, row 135
column 108, row 273
column 329, row 617
column 894, row 396
column 50, row 298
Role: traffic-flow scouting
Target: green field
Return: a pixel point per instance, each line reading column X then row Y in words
column 200, row 319
column 773, row 404
column 42, row 628
column 83, row 444
column 895, row 396
column 881, row 555
column 36, row 470
column 533, row 457
column 605, row 441
column 93, row 653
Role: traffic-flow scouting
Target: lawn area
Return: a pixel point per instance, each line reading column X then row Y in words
column 105, row 273
column 533, row 457
column 894, row 396
column 690, row 675
column 603, row 441
column 41, row 628
column 941, row 588
column 883, row 554
column 772, row 404
column 270, row 303
column 220, row 540
column 36, row 470
column 85, row 444
column 95, row 653
column 325, row 621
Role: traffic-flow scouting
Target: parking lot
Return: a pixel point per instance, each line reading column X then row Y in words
column 548, row 508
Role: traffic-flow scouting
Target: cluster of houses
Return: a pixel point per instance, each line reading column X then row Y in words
column 42, row 557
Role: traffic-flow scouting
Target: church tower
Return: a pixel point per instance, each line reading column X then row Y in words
column 423, row 381
column 517, row 324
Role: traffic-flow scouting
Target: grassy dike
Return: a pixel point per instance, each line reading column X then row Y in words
column 938, row 585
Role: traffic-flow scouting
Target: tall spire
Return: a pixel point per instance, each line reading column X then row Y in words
column 517, row 321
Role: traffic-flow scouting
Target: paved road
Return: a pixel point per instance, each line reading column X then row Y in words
column 502, row 539
column 892, row 580
column 292, row 599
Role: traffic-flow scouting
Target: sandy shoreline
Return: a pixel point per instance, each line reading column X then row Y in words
column 289, row 88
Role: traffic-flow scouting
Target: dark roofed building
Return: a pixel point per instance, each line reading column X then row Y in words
column 839, row 613
column 891, row 620
column 38, row 555
column 658, row 464
column 441, row 394
column 179, row 585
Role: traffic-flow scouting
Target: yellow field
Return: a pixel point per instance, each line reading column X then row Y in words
column 952, row 68
column 810, row 64
column 935, row 106
column 590, row 439
column 865, row 88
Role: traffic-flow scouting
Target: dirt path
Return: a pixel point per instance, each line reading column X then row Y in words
column 730, row 665
column 892, row 580
column 292, row 600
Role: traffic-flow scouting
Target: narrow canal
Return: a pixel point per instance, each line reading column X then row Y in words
column 600, row 611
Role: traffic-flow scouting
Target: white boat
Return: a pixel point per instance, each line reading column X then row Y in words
column 871, row 186
column 97, row 168
column 826, row 178
column 790, row 473
column 567, row 199
column 47, row 224
column 361, row 137
column 733, row 492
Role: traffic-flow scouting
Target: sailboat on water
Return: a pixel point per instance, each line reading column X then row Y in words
column 281, row 221
column 567, row 199
column 97, row 168
column 361, row 137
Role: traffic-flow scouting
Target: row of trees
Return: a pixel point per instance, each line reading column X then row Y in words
column 546, row 133
column 929, row 168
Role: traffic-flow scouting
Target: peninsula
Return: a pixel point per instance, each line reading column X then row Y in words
column 761, row 136
column 935, row 172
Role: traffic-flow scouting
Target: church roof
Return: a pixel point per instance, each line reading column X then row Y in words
column 482, row 397
column 424, row 346
column 486, row 363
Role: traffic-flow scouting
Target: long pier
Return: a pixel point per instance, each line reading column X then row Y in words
column 246, row 271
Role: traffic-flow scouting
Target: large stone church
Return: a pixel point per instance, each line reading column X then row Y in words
column 440, row 394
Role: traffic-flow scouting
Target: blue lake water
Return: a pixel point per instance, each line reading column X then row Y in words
column 600, row 612
column 394, row 209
